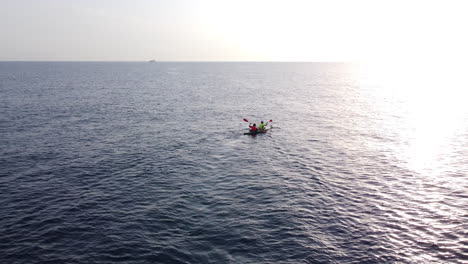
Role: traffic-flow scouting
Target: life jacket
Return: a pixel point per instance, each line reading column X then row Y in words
column 253, row 129
column 261, row 126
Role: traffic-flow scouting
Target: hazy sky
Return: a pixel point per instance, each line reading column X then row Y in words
column 237, row 30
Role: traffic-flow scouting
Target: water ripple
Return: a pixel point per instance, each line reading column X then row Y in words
column 138, row 163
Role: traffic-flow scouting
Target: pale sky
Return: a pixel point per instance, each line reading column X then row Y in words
column 237, row 30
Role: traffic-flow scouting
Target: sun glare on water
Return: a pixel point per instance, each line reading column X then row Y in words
column 431, row 103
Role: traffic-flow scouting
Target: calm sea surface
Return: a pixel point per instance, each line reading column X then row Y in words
column 147, row 163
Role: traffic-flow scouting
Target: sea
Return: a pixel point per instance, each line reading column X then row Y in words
column 138, row 162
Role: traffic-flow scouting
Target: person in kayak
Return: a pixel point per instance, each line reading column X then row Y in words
column 253, row 128
column 262, row 126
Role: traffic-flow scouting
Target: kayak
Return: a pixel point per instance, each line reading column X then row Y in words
column 257, row 132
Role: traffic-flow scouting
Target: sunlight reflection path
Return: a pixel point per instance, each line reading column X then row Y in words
column 429, row 107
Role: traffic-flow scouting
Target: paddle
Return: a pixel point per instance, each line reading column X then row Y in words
column 262, row 130
column 245, row 119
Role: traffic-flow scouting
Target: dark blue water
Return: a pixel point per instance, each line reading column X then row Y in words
column 147, row 163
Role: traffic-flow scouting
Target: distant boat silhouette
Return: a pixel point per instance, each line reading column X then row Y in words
column 152, row 61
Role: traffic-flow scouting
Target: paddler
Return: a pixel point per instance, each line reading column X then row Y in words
column 261, row 126
column 253, row 128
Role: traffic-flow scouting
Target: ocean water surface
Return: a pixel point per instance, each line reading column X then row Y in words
column 147, row 163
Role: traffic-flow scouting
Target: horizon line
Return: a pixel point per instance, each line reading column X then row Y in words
column 163, row 61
